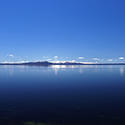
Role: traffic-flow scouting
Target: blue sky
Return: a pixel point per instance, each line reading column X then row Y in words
column 32, row 29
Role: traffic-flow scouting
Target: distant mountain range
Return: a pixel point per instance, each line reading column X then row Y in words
column 46, row 63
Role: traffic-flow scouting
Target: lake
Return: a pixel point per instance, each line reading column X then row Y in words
column 62, row 95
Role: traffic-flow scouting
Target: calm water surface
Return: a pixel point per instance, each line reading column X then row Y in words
column 62, row 95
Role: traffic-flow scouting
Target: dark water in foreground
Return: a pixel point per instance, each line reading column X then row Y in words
column 60, row 95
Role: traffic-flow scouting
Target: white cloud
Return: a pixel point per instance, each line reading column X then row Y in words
column 45, row 57
column 15, row 62
column 49, row 59
column 110, row 60
column 73, row 61
column 11, row 55
column 80, row 57
column 55, row 57
column 121, row 58
column 96, row 59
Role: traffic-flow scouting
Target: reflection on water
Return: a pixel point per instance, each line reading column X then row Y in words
column 57, row 68
column 122, row 70
column 62, row 95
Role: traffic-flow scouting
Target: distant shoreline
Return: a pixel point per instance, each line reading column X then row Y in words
column 45, row 63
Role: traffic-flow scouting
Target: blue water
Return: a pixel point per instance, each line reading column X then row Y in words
column 62, row 95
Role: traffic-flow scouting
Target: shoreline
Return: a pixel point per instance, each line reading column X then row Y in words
column 50, row 64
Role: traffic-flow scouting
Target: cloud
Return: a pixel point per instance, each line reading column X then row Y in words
column 11, row 55
column 96, row 59
column 110, row 60
column 121, row 58
column 49, row 59
column 73, row 61
column 45, row 57
column 15, row 62
column 56, row 57
column 80, row 57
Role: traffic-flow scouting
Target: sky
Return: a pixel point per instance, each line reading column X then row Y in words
column 82, row 30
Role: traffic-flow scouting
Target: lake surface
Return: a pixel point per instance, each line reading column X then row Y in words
column 62, row 95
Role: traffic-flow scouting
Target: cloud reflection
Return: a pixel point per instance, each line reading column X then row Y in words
column 122, row 70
